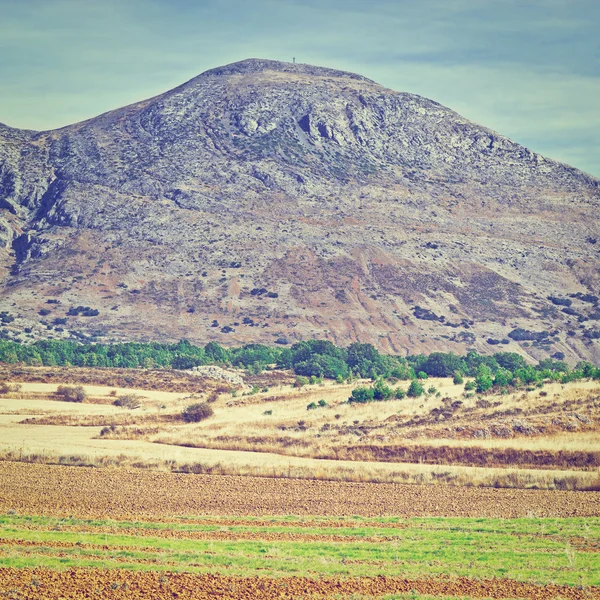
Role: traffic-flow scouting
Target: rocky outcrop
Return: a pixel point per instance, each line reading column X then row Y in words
column 266, row 201
column 213, row 372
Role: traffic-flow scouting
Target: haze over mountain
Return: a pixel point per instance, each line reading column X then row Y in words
column 266, row 201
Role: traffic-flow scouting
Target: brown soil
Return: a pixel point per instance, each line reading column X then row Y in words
column 122, row 493
column 42, row 584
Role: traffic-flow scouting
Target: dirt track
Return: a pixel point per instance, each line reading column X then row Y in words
column 40, row 584
column 120, row 493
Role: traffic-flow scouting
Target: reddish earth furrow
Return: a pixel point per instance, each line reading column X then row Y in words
column 122, row 493
column 42, row 584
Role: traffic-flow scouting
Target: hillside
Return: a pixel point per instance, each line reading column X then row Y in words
column 266, row 201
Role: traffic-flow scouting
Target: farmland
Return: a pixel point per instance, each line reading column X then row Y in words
column 142, row 532
column 266, row 498
column 545, row 438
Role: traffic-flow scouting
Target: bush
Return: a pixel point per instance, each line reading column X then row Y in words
column 470, row 385
column 130, row 401
column 197, row 412
column 422, row 375
column 484, row 380
column 362, row 395
column 6, row 389
column 312, row 406
column 458, row 378
column 300, row 381
column 71, row 393
column 415, row 389
column 322, row 403
column 381, row 391
column 399, row 394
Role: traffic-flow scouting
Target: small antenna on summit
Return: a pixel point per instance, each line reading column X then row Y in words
column 294, row 60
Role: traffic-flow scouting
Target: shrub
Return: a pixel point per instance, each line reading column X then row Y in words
column 470, row 385
column 71, row 393
column 415, row 389
column 130, row 401
column 362, row 395
column 300, row 381
column 484, row 380
column 399, row 394
column 422, row 375
column 503, row 377
column 322, row 403
column 312, row 406
column 197, row 412
column 381, row 391
column 458, row 378
column 268, row 412
column 5, row 388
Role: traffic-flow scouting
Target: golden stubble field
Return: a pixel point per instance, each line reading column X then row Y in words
column 542, row 438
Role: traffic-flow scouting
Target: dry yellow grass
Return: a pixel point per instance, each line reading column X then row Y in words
column 241, row 438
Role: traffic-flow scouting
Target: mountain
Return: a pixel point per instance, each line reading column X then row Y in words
column 265, row 201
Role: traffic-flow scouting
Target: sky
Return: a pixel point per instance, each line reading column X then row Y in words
column 529, row 69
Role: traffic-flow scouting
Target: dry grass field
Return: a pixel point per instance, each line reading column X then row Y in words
column 546, row 438
column 444, row 496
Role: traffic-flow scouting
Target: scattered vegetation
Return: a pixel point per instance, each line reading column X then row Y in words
column 130, row 401
column 6, row 388
column 71, row 393
column 197, row 412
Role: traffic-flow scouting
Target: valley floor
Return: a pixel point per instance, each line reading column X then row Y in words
column 138, row 534
column 142, row 505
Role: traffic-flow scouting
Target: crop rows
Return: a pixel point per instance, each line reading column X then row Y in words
column 310, row 557
column 74, row 584
column 122, row 493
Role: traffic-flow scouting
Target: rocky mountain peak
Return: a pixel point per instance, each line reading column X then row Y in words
column 260, row 65
column 269, row 201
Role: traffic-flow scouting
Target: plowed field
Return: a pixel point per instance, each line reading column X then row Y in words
column 304, row 555
column 40, row 584
column 117, row 533
column 120, row 493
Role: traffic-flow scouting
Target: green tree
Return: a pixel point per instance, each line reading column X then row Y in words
column 510, row 360
column 440, row 364
column 381, row 391
column 503, row 377
column 415, row 389
column 483, row 380
column 216, row 353
column 362, row 395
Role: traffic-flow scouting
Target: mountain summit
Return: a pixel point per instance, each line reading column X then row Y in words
column 265, row 201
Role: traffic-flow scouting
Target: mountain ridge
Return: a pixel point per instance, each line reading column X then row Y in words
column 393, row 201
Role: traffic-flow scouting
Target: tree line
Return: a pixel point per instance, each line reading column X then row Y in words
column 312, row 358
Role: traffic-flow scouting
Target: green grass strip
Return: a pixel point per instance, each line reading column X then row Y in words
column 528, row 550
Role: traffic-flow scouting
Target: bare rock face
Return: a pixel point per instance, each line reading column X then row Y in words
column 265, row 201
column 214, row 372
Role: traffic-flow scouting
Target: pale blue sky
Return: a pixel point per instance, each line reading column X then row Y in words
column 529, row 69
